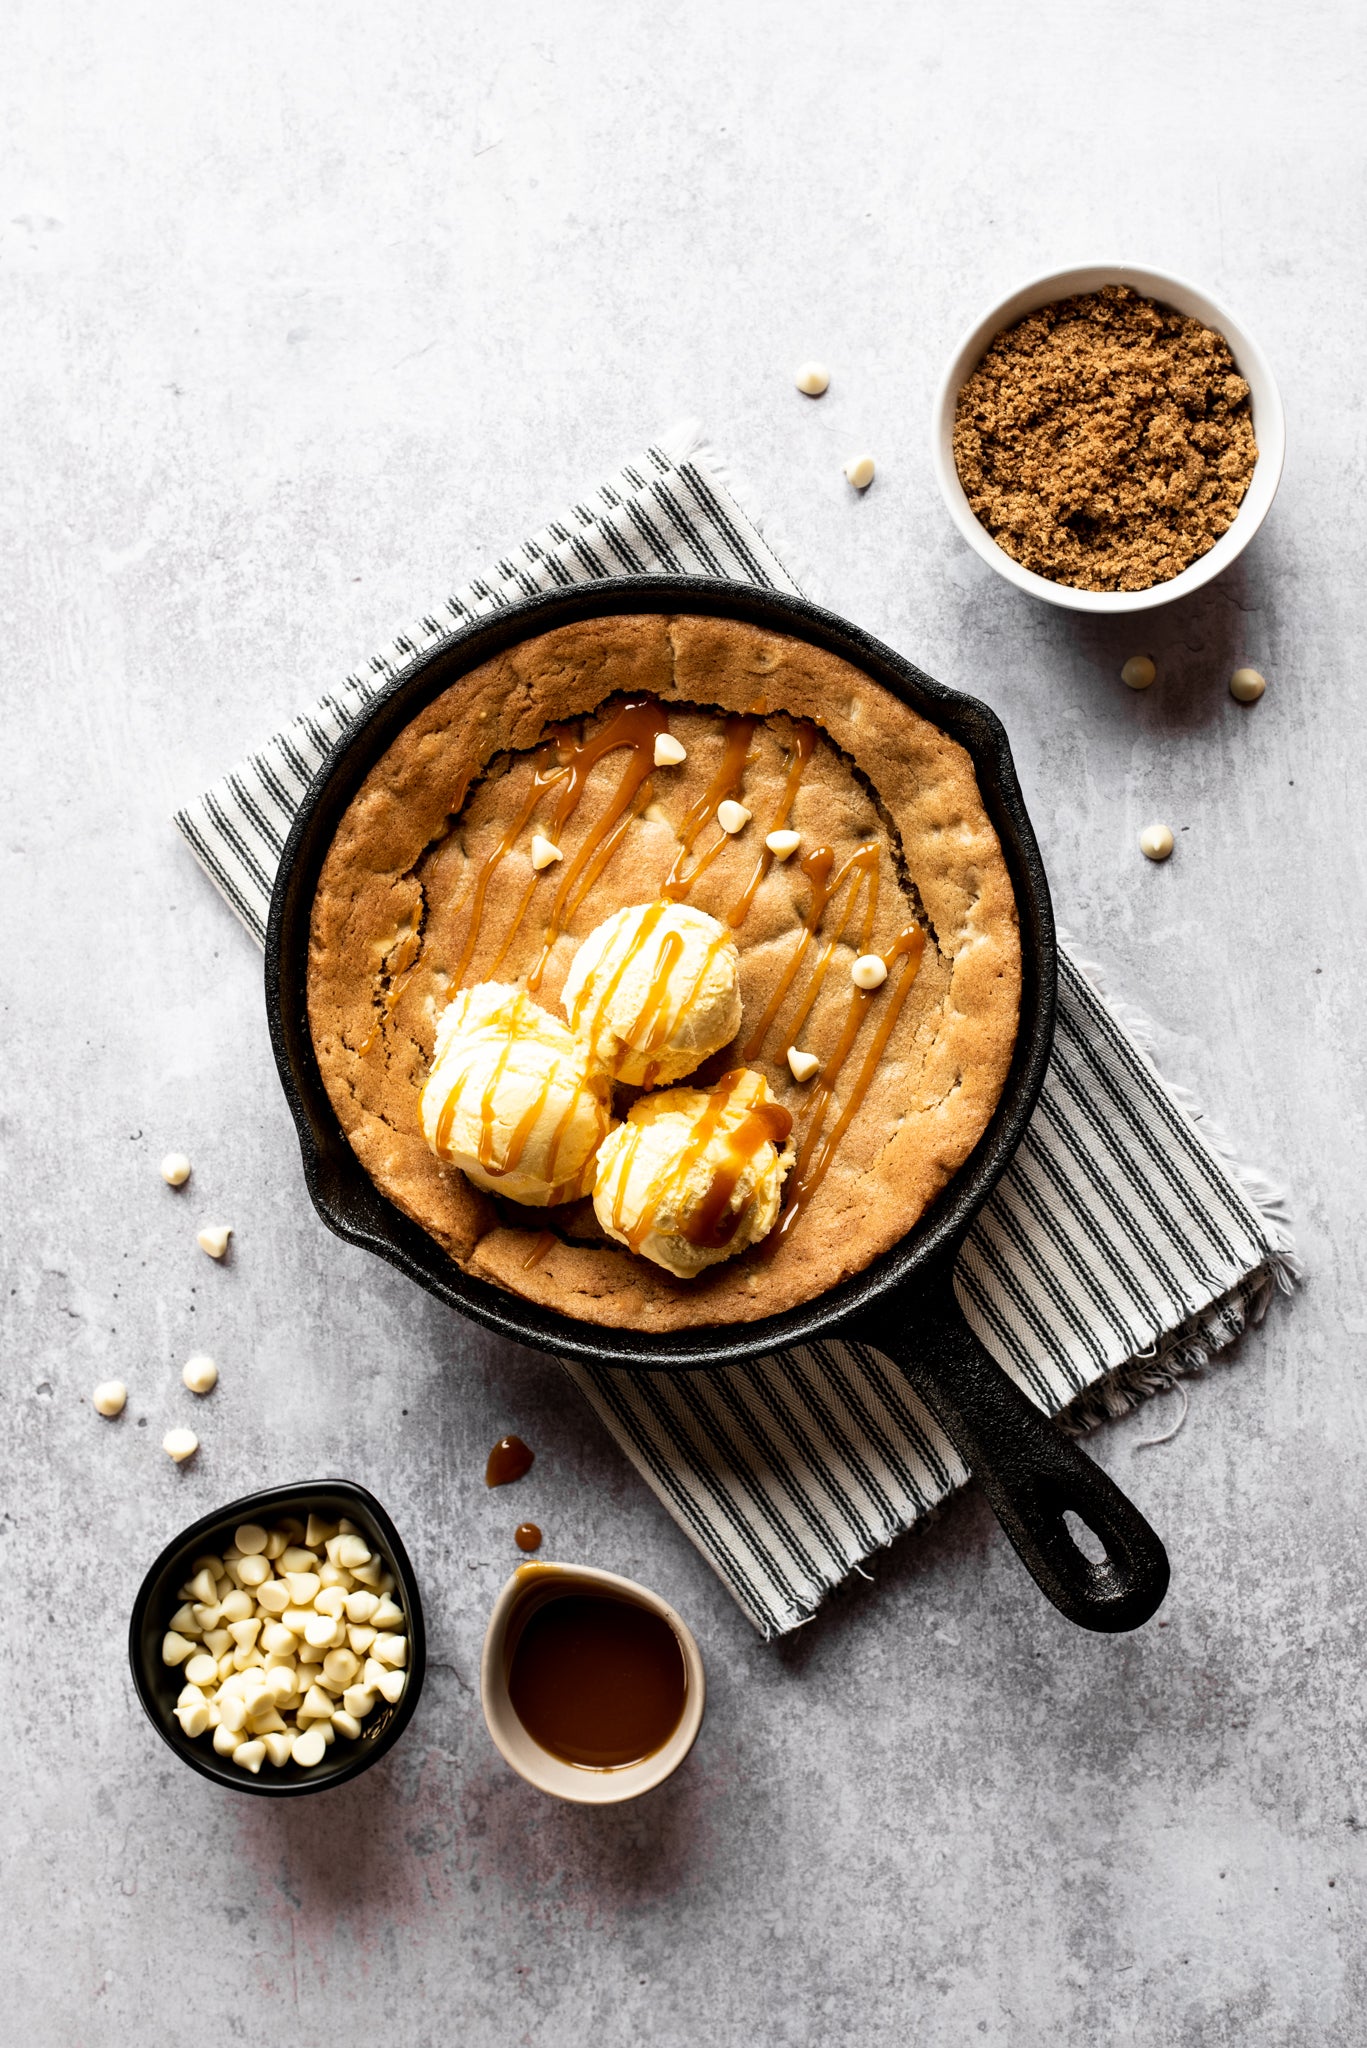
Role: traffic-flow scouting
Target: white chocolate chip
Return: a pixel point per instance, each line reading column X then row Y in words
column 303, row 1586
column 1156, row 841
column 544, row 853
column 175, row 1648
column 1138, row 672
column 235, row 1606
column 361, row 1605
column 803, row 1064
column 345, row 1724
column 391, row 1686
column 175, row 1169
column 200, row 1374
column 359, row 1700
column 193, row 1719
column 387, row 1614
column 391, row 1651
column 731, row 816
column 669, row 751
column 180, row 1444
column 812, row 379
column 278, row 1748
column 870, row 970
column 213, row 1239
column 110, row 1397
column 782, row 844
column 1246, row 686
column 318, row 1533
column 226, row 1740
column 297, row 1559
column 309, row 1747
column 201, row 1669
column 273, row 1597
column 253, row 1572
column 251, row 1539
column 351, row 1551
column 859, row 471
column 251, row 1756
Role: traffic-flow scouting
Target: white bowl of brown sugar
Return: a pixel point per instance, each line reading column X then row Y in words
column 1108, row 438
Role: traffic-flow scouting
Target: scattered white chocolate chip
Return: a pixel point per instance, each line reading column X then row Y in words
column 668, row 751
column 213, row 1239
column 1246, row 686
column 812, row 378
column 870, row 970
column 544, row 853
column 803, row 1064
column 1138, row 672
column 782, row 843
column 180, row 1444
column 276, row 1668
column 731, row 816
column 859, row 471
column 175, row 1169
column 200, row 1374
column 1156, row 841
column 109, row 1397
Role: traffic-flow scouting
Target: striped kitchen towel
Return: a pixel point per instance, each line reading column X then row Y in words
column 1119, row 1252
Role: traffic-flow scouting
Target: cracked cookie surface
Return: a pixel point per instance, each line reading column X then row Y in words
column 429, row 882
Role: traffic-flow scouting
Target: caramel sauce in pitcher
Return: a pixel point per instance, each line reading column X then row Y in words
column 596, row 1678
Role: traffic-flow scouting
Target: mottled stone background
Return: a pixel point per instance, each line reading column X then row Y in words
column 308, row 309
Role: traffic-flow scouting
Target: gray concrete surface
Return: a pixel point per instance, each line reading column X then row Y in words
column 308, row 309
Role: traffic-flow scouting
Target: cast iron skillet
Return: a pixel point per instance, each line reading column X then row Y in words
column 904, row 1302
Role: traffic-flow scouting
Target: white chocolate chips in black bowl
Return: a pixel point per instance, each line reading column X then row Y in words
column 287, row 1642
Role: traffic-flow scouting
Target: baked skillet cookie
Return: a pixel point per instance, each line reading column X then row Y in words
column 429, row 888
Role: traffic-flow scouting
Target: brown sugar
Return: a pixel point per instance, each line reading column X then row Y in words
column 1105, row 441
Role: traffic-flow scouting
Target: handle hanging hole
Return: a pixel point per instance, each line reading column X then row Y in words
column 1086, row 1539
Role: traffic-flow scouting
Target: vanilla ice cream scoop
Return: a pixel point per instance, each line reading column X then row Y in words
column 512, row 1098
column 691, row 1177
column 653, row 991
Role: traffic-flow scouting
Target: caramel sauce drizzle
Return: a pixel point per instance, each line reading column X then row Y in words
column 565, row 765
column 527, row 1123
column 729, row 777
column 545, row 1243
column 713, row 1224
column 636, row 726
column 811, row 1166
column 804, row 743
column 817, row 865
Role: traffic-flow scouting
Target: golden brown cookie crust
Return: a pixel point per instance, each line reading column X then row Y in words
column 391, row 919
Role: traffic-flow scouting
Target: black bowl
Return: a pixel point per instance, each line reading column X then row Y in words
column 159, row 1685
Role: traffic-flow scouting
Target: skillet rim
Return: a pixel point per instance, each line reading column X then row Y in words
column 350, row 1203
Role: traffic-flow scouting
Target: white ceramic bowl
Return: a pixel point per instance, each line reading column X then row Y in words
column 1269, row 430
column 537, row 1765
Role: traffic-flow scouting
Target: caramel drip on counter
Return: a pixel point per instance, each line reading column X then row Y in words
column 527, row 1536
column 730, row 775
column 817, row 865
column 804, row 743
column 712, row 1224
column 811, row 1167
column 509, row 1461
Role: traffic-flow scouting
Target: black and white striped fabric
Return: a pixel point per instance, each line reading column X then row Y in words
column 1119, row 1252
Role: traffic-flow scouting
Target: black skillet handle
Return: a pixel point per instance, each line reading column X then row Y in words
column 1029, row 1470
